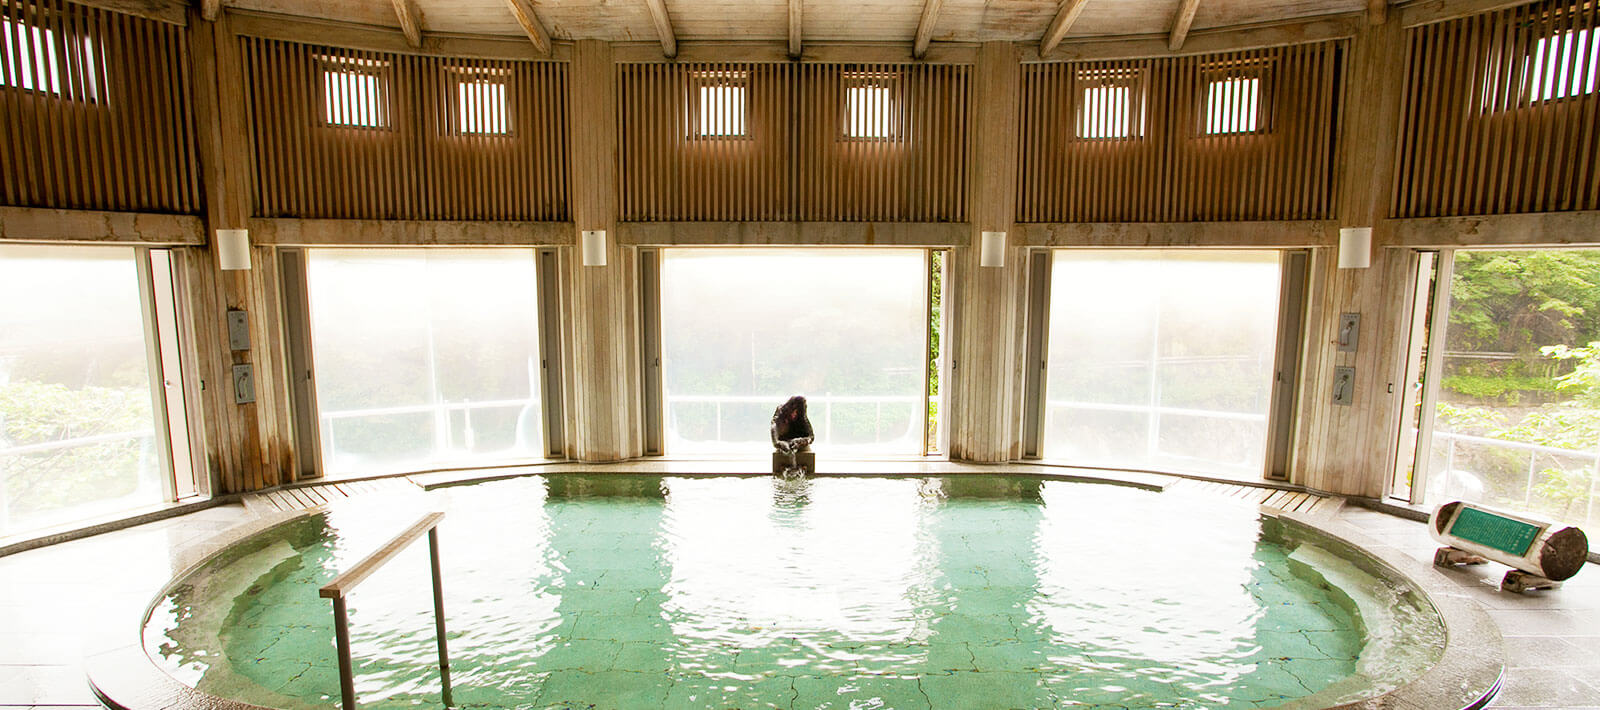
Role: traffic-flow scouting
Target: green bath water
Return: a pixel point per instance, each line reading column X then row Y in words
column 723, row 592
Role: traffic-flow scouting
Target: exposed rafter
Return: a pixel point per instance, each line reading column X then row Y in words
column 930, row 15
column 1181, row 23
column 658, row 14
column 1377, row 12
column 1068, row 14
column 410, row 20
column 794, row 28
column 210, row 9
column 523, row 10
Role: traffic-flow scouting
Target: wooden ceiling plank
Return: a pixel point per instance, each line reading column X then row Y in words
column 794, row 28
column 1181, row 24
column 210, row 10
column 1377, row 12
column 1068, row 14
column 410, row 20
column 523, row 11
column 930, row 15
column 658, row 14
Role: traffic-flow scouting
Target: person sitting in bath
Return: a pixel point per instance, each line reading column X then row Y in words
column 791, row 430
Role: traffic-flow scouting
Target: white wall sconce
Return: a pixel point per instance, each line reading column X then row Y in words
column 233, row 249
column 594, row 247
column 1355, row 247
column 992, row 250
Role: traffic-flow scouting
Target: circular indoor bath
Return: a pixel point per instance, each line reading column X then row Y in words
column 917, row 592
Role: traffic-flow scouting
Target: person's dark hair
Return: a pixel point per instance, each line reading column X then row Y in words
column 792, row 421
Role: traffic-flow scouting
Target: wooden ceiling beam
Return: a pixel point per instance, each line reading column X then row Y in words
column 930, row 15
column 1057, row 31
column 1377, row 12
column 523, row 11
column 794, row 28
column 410, row 20
column 1181, row 24
column 658, row 14
column 210, row 10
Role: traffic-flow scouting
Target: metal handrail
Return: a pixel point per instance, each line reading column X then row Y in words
column 341, row 585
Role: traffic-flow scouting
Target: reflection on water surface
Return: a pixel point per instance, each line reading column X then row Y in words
column 636, row 591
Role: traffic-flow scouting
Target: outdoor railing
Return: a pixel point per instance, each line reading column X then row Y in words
column 819, row 408
column 1532, row 451
column 341, row 585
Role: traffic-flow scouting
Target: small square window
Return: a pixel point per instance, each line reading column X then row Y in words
column 1110, row 103
column 35, row 59
column 355, row 92
column 871, row 106
column 1562, row 65
column 481, row 106
column 1233, row 105
column 717, row 105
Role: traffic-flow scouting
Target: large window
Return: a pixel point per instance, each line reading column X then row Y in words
column 1512, row 414
column 79, row 435
column 742, row 330
column 1162, row 359
column 425, row 357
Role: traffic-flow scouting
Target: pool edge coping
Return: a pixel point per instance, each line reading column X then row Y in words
column 1472, row 664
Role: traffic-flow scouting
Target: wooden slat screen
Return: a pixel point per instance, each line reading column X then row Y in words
column 1502, row 112
column 1245, row 135
column 820, row 142
column 94, row 110
column 350, row 134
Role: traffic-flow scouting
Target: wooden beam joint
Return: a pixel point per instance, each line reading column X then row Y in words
column 210, row 10
column 1377, row 12
column 1057, row 31
column 1181, row 24
column 410, row 20
column 794, row 28
column 523, row 11
column 658, row 14
column 930, row 15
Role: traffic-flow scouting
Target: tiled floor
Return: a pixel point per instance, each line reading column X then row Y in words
column 61, row 603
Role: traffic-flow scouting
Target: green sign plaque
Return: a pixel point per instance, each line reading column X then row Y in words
column 1496, row 531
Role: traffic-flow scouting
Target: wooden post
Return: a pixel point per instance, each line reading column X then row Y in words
column 985, row 319
column 602, row 301
column 1350, row 449
column 246, row 445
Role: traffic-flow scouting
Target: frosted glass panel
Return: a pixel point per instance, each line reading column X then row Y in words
column 425, row 358
column 742, row 330
column 77, row 429
column 1162, row 359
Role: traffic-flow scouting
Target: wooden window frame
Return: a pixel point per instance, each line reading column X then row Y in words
column 1261, row 70
column 694, row 103
column 460, row 77
column 893, row 84
column 381, row 71
column 1134, row 79
column 66, row 54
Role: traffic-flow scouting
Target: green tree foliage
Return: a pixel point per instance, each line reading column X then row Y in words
column 40, row 413
column 1519, row 301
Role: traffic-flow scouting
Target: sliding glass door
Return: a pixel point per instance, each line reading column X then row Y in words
column 1508, row 412
column 81, row 382
column 743, row 329
column 1162, row 359
column 425, row 358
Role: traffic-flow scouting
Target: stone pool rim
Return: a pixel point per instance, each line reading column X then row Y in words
column 1468, row 674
